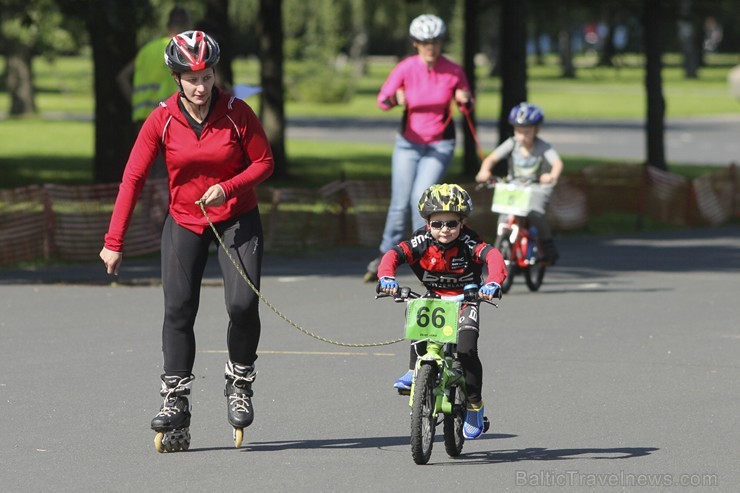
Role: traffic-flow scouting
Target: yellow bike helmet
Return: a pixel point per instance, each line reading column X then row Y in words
column 445, row 198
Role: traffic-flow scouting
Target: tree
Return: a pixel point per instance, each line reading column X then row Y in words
column 272, row 97
column 471, row 162
column 19, row 78
column 359, row 38
column 111, row 25
column 652, row 23
column 687, row 39
column 513, row 55
column 28, row 28
column 216, row 23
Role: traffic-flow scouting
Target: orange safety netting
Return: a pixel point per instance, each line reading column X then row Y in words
column 69, row 222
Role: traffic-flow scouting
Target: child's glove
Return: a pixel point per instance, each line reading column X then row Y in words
column 490, row 290
column 388, row 284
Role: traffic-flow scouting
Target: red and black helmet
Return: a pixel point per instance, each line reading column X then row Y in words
column 191, row 51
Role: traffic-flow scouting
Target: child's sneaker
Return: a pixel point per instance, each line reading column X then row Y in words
column 405, row 381
column 473, row 427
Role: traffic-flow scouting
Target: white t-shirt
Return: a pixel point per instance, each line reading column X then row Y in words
column 530, row 166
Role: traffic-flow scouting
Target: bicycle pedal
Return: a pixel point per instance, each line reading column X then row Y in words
column 404, row 391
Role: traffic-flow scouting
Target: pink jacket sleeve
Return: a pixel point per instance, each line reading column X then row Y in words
column 387, row 95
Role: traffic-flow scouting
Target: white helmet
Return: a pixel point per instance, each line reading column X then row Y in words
column 427, row 28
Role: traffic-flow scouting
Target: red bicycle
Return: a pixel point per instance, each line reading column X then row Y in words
column 515, row 238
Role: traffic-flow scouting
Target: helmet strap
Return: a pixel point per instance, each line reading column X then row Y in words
column 179, row 85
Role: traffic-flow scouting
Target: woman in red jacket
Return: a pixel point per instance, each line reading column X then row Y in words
column 216, row 152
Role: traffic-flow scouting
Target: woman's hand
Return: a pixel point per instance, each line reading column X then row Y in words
column 462, row 97
column 214, row 196
column 112, row 260
column 401, row 97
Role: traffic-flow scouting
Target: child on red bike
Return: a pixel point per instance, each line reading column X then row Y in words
column 446, row 256
column 529, row 158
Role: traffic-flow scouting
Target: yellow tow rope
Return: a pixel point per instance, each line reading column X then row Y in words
column 239, row 269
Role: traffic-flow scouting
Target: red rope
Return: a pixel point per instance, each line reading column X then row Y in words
column 465, row 111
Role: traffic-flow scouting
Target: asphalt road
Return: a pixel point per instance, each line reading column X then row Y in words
column 710, row 141
column 621, row 374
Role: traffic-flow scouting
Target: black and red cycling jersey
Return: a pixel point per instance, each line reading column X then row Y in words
column 445, row 269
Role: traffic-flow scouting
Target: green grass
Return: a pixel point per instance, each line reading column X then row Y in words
column 37, row 152
column 41, row 150
column 602, row 92
column 65, row 85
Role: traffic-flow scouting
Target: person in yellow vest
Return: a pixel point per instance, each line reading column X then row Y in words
column 146, row 80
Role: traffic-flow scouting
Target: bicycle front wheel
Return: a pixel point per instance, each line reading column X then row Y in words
column 423, row 421
column 453, row 423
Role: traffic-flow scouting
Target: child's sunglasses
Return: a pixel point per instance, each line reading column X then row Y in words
column 440, row 224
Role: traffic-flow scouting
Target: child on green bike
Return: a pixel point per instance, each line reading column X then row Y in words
column 447, row 256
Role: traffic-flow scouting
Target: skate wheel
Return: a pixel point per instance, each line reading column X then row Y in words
column 238, row 437
column 370, row 276
column 158, row 442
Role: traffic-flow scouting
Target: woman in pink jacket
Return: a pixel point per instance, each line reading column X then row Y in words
column 425, row 85
column 216, row 153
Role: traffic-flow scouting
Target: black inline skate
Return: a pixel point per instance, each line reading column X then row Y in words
column 172, row 423
column 238, row 394
column 372, row 270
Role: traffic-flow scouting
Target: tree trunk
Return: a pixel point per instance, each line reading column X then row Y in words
column 687, row 40
column 565, row 47
column 471, row 161
column 19, row 79
column 606, row 57
column 216, row 23
column 359, row 40
column 513, row 60
column 270, row 36
column 652, row 27
column 113, row 40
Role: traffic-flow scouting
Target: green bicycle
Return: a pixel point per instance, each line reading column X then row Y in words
column 438, row 393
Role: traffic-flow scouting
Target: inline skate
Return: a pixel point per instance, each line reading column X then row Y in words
column 372, row 270
column 172, row 423
column 238, row 394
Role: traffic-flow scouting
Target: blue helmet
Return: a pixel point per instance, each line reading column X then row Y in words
column 526, row 114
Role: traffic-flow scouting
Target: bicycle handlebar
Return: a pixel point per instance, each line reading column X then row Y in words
column 405, row 293
column 491, row 182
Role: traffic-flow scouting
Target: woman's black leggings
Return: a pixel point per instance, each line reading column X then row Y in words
column 184, row 258
column 467, row 351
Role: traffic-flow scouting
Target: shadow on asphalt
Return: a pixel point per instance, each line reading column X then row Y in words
column 352, row 443
column 545, row 454
column 484, row 457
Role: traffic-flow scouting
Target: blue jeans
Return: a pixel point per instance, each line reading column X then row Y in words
column 415, row 168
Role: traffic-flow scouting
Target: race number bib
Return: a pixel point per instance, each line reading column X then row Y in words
column 433, row 319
